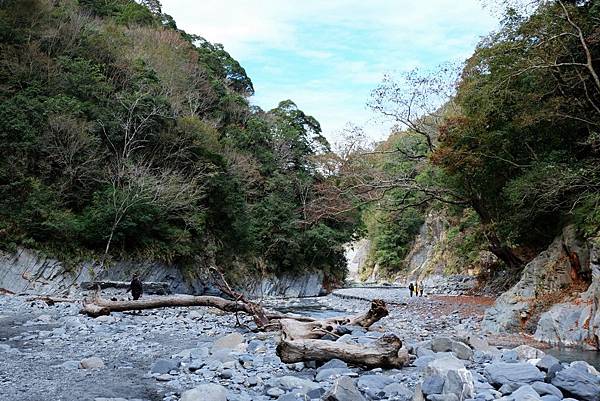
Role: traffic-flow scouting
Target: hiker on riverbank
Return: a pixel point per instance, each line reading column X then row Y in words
column 411, row 288
column 136, row 287
column 416, row 288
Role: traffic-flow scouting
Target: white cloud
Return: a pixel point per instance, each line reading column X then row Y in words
column 348, row 45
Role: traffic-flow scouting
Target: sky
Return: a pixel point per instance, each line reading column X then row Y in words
column 327, row 55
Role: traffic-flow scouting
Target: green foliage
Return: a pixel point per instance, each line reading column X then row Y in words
column 122, row 134
column 523, row 152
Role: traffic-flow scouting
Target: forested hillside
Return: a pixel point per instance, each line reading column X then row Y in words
column 125, row 137
column 506, row 147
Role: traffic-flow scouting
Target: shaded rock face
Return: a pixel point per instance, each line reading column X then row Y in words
column 566, row 260
column 423, row 258
column 357, row 253
column 287, row 286
column 576, row 322
column 27, row 271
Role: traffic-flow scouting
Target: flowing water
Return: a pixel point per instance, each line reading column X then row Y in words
column 573, row 354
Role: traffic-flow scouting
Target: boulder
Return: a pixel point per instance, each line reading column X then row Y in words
column 205, row 392
column 433, row 384
column 91, row 363
column 546, row 389
column 233, row 342
column 343, row 389
column 163, row 366
column 524, row 393
column 499, row 373
column 373, row 383
column 441, row 344
column 526, row 352
column 547, row 362
column 457, row 379
column 333, row 364
column 462, row 350
column 580, row 381
column 325, row 374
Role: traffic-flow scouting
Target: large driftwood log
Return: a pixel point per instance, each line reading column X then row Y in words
column 316, row 329
column 302, row 341
column 98, row 306
column 385, row 352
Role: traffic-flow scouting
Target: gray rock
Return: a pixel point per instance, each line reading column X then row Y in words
column 554, row 369
column 501, row 373
column 546, row 388
column 70, row 365
column 578, row 382
column 550, row 398
column 462, row 350
column 547, row 362
column 423, row 361
column 422, row 351
column 164, row 366
column 205, row 392
column 508, row 388
column 457, row 379
column 375, row 383
column 275, row 392
column 289, row 383
column 334, row 363
column 397, row 390
column 343, row 389
column 232, row 342
column 164, row 377
column 226, row 374
column 293, row 397
column 525, row 352
column 441, row 344
column 433, row 384
column 443, row 397
column 316, row 393
column 329, row 373
column 525, row 393
column 509, row 356
column 91, row 363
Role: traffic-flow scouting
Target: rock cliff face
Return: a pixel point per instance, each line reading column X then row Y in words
column 357, row 253
column 568, row 266
column 425, row 257
column 576, row 322
column 26, row 271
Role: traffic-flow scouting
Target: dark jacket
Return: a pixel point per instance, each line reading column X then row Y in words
column 136, row 288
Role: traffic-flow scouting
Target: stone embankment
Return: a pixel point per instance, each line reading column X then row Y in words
column 30, row 272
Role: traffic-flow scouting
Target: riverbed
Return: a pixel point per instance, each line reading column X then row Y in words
column 150, row 356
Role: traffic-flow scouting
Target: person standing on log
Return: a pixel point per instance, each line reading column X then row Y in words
column 411, row 288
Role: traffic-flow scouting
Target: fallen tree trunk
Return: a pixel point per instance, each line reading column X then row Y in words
column 302, row 341
column 315, row 329
column 98, row 306
column 385, row 352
